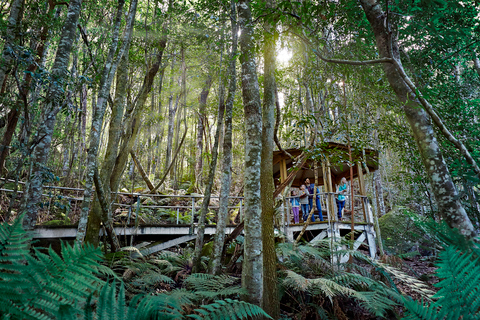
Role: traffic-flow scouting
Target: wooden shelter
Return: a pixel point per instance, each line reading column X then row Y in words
column 292, row 167
column 335, row 160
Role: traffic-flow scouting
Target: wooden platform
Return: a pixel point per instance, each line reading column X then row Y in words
column 178, row 234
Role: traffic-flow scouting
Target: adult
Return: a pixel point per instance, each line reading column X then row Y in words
column 341, row 192
column 319, row 205
column 310, row 188
column 303, row 196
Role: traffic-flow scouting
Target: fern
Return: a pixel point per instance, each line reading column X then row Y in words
column 459, row 289
column 229, row 309
column 213, row 287
column 43, row 286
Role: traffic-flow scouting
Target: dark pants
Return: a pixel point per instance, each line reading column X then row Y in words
column 319, row 208
column 340, row 205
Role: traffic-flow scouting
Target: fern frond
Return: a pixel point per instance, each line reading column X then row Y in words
column 419, row 311
column 230, row 309
column 321, row 286
column 460, row 285
column 379, row 300
column 413, row 283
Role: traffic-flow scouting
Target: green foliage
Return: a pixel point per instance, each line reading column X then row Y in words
column 66, row 286
column 230, row 309
column 214, row 287
column 40, row 286
column 311, row 274
column 458, row 295
column 399, row 231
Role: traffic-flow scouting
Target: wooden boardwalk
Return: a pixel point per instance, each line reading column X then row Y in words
column 177, row 232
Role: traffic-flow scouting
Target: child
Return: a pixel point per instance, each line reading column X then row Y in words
column 304, row 201
column 295, row 206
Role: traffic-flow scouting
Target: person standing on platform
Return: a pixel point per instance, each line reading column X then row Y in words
column 310, row 188
column 341, row 191
column 319, row 205
column 303, row 195
column 294, row 200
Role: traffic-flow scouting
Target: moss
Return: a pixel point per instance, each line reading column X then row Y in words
column 54, row 223
column 399, row 232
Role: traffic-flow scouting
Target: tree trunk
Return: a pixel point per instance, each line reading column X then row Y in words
column 6, row 64
column 172, row 110
column 211, row 175
column 443, row 187
column 8, row 55
column 133, row 126
column 99, row 110
column 271, row 303
column 226, row 174
column 202, row 106
column 252, row 275
column 53, row 103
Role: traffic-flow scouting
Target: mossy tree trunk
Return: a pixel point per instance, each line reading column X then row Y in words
column 108, row 73
column 53, row 103
column 446, row 194
column 271, row 304
column 252, row 275
column 202, row 109
column 226, row 171
column 211, row 174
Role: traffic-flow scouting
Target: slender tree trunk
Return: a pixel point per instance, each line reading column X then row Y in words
column 6, row 63
column 99, row 110
column 133, row 126
column 8, row 55
column 271, row 303
column 252, row 275
column 53, row 103
column 211, row 175
column 226, row 174
column 202, row 106
column 443, row 187
column 172, row 109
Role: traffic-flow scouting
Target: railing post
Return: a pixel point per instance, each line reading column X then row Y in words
column 178, row 214
column 192, row 228
column 240, row 210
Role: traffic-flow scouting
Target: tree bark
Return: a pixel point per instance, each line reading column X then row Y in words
column 252, row 275
column 133, row 126
column 53, row 103
column 449, row 206
column 6, row 64
column 226, row 171
column 271, row 304
column 202, row 106
column 99, row 110
column 142, row 171
column 211, row 176
column 114, row 134
column 8, row 55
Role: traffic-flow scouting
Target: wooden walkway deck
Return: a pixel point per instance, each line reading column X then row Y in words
column 177, row 233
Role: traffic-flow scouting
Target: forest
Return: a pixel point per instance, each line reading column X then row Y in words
column 152, row 151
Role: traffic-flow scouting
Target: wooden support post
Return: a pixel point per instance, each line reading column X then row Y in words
column 283, row 170
column 327, row 190
column 333, row 206
column 363, row 191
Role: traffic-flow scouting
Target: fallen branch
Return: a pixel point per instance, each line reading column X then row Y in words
column 171, row 164
column 142, row 172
